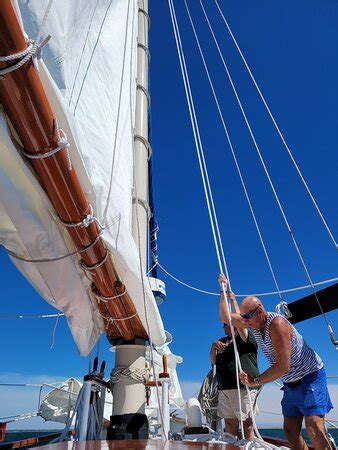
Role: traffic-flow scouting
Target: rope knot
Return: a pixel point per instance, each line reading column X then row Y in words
column 282, row 308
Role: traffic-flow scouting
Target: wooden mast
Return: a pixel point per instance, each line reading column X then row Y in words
column 26, row 105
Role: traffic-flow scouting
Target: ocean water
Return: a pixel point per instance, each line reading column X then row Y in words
column 17, row 435
column 279, row 433
column 24, row 434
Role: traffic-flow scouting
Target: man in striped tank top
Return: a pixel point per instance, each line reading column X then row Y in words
column 292, row 360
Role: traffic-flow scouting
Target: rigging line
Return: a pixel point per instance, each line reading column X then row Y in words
column 269, row 178
column 277, row 127
column 207, row 189
column 236, row 161
column 117, row 219
column 258, row 294
column 82, row 53
column 199, row 149
column 91, row 57
column 238, row 362
column 29, row 316
column 118, row 112
column 54, row 331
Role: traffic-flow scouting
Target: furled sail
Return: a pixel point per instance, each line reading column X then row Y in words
column 90, row 81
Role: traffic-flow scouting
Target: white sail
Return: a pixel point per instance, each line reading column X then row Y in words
column 91, row 42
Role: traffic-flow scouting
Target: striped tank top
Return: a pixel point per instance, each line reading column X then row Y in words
column 304, row 360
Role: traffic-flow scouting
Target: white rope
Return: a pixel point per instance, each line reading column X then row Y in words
column 63, row 144
column 199, row 148
column 57, row 258
column 277, row 127
column 235, row 158
column 258, row 294
column 153, row 267
column 266, row 171
column 11, row 419
column 102, row 298
column 282, row 308
column 67, row 255
column 32, row 51
column 54, row 331
column 128, row 373
column 206, row 186
column 84, row 223
column 30, row 316
column 85, row 267
column 111, row 320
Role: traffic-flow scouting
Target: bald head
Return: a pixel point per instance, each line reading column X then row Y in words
column 250, row 303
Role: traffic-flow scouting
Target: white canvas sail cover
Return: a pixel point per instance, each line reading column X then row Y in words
column 90, row 79
column 59, row 403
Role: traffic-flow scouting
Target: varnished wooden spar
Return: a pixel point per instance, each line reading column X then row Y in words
column 25, row 103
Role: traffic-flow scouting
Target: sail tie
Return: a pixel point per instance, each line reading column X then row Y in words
column 33, row 50
column 85, row 267
column 84, row 223
column 62, row 144
column 111, row 320
column 102, row 298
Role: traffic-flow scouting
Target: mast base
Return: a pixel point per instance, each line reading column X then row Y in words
column 128, row 426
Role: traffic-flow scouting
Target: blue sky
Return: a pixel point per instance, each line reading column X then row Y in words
column 291, row 48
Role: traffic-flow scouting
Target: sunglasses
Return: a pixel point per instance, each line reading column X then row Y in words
column 248, row 315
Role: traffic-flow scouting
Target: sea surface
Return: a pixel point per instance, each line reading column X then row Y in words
column 24, row 434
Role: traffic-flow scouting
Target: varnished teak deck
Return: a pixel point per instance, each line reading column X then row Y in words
column 147, row 444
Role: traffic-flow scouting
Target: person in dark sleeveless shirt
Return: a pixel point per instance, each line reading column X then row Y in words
column 305, row 391
column 222, row 354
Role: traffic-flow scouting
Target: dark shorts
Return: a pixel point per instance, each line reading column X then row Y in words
column 307, row 397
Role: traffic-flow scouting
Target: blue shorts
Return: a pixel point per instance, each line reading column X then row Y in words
column 307, row 397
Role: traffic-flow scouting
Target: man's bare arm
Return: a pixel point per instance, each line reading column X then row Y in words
column 213, row 355
column 222, row 309
column 243, row 332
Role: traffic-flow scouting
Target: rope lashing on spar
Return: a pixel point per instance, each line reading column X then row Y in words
column 67, row 255
column 85, row 266
column 84, row 223
column 104, row 299
column 33, row 50
column 63, row 144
